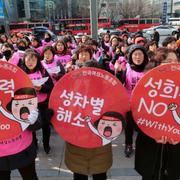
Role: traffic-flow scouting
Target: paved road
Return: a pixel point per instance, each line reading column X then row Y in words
column 52, row 167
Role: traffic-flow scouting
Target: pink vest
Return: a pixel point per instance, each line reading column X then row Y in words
column 16, row 144
column 107, row 44
column 97, row 55
column 64, row 59
column 37, row 75
column 50, row 67
column 74, row 45
column 44, row 43
column 111, row 53
column 132, row 77
column 39, row 50
column 16, row 56
column 121, row 60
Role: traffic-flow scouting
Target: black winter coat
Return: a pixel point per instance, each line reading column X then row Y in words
column 150, row 156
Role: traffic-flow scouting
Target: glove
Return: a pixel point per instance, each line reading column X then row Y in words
column 32, row 117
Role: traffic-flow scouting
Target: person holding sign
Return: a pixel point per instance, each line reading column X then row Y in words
column 19, row 152
column 87, row 117
column 43, row 85
column 95, row 161
column 83, row 161
column 137, row 61
column 157, row 154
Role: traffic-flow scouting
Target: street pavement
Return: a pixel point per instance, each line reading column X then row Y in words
column 52, row 167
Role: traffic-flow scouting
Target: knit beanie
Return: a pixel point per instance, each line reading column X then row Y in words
column 138, row 68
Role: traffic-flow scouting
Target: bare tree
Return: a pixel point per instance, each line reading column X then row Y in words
column 100, row 8
column 132, row 8
column 127, row 9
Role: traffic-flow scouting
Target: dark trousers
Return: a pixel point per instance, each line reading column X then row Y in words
column 160, row 170
column 159, row 178
column 27, row 173
column 46, row 129
column 129, row 130
column 46, row 133
column 101, row 176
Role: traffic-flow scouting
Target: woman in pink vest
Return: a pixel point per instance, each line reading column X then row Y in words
column 18, row 56
column 137, row 61
column 61, row 52
column 97, row 52
column 36, row 45
column 120, row 56
column 159, row 159
column 47, row 40
column 43, row 85
column 20, row 152
column 52, row 65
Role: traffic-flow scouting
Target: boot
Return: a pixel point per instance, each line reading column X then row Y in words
column 128, row 150
column 47, row 148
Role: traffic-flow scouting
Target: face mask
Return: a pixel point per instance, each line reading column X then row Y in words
column 47, row 39
column 21, row 48
column 7, row 54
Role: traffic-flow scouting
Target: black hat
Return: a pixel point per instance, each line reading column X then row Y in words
column 141, row 67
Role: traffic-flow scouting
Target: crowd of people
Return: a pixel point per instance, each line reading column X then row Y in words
column 128, row 57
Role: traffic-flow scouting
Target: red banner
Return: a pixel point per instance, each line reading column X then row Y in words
column 156, row 101
column 17, row 99
column 83, row 102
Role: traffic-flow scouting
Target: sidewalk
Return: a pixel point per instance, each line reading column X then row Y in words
column 52, row 167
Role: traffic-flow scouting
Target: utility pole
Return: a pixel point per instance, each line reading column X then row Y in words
column 69, row 8
column 172, row 14
column 27, row 9
column 94, row 19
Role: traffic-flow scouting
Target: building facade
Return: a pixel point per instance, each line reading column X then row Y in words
column 31, row 9
column 51, row 10
column 21, row 10
column 10, row 10
column 176, row 8
column 80, row 8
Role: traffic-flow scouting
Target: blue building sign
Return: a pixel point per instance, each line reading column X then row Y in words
column 164, row 15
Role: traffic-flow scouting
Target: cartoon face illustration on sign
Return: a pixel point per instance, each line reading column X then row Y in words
column 108, row 127
column 20, row 106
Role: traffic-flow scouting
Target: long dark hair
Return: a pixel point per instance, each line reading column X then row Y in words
column 64, row 52
column 32, row 53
